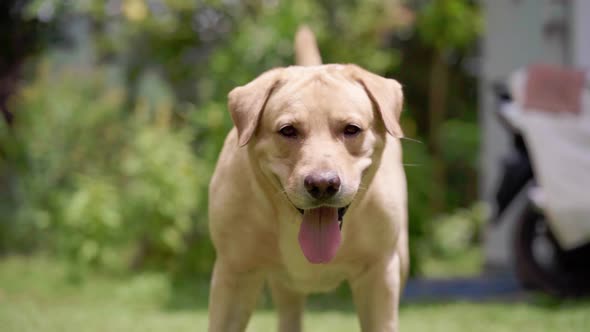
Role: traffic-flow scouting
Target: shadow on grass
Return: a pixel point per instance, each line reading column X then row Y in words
column 193, row 294
column 551, row 303
column 188, row 294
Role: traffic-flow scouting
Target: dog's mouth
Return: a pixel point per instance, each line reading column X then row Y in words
column 319, row 233
column 341, row 213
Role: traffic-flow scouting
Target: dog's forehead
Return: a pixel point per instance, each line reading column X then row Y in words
column 319, row 88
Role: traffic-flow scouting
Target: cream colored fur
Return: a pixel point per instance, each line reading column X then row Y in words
column 258, row 184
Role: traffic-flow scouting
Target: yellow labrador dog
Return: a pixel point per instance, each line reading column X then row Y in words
column 309, row 191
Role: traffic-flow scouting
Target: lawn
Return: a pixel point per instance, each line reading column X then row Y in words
column 36, row 296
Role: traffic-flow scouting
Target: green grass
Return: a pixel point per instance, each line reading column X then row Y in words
column 37, row 295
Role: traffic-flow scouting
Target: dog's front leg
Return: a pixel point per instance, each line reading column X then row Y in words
column 233, row 297
column 289, row 305
column 376, row 295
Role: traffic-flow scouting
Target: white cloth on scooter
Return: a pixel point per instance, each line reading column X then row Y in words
column 559, row 145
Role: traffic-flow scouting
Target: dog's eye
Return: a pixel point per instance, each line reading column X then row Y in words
column 351, row 130
column 288, row 131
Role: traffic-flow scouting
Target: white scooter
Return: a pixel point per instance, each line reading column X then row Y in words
column 547, row 110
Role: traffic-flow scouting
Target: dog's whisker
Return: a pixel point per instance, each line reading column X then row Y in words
column 413, row 165
column 411, row 140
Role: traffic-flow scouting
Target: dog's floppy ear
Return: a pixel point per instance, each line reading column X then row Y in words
column 386, row 94
column 246, row 103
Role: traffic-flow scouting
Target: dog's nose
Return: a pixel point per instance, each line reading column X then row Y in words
column 322, row 185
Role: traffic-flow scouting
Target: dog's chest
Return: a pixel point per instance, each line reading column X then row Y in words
column 308, row 278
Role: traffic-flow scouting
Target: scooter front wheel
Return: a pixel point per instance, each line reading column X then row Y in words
column 542, row 264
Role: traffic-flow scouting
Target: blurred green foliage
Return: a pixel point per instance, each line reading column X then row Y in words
column 116, row 134
column 448, row 24
column 456, row 233
column 99, row 184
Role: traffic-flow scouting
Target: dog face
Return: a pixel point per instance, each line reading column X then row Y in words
column 316, row 131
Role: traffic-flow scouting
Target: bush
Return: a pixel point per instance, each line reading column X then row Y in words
column 99, row 184
column 457, row 232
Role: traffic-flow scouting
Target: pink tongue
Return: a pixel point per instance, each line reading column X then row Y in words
column 319, row 235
